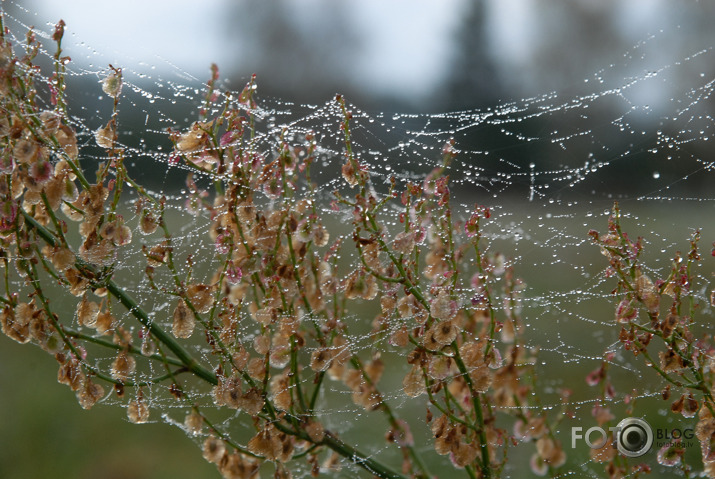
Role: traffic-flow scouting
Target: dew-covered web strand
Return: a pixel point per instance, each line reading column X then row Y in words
column 543, row 203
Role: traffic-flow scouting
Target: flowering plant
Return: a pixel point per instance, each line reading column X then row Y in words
column 258, row 334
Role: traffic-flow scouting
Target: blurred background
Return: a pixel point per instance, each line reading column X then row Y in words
column 405, row 56
column 402, row 55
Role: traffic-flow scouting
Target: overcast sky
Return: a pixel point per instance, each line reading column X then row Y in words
column 541, row 46
column 187, row 35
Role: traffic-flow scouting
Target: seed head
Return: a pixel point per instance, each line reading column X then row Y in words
column 214, row 449
column 414, row 382
column 183, row 321
column 648, row 294
column 112, row 83
column 201, row 297
column 89, row 393
column 87, row 312
column 106, row 135
column 137, row 410
column 123, row 366
column 193, row 422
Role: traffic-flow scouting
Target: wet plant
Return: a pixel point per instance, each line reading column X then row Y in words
column 245, row 346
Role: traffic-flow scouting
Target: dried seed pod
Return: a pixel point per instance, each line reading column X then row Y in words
column 265, row 315
column 669, row 324
column 147, row 223
column 183, row 321
column 54, row 190
column 137, row 410
column 349, row 173
column 252, row 401
column 441, row 367
column 404, row 242
column 193, row 422
column 625, row 311
column 157, row 255
column 123, row 366
column 256, row 368
column 62, row 258
column 481, row 377
column 414, row 382
column 231, row 392
column 67, row 138
column 25, row 151
column 266, row 444
column 280, row 392
column 238, row 466
column 648, row 293
column 213, row 449
column 400, row 338
column 443, row 307
column 195, row 138
column 320, row 359
column 262, row 344
column 105, row 322
column 440, row 334
column 148, row 346
column 89, row 393
column 116, row 231
column 16, row 325
column 87, row 312
column 201, row 297
column 106, row 135
column 464, row 454
column 70, row 373
column 321, row 236
column 112, row 83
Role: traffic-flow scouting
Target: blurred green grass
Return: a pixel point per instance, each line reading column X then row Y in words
column 45, row 433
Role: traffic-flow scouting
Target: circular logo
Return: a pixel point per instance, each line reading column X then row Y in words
column 634, row 437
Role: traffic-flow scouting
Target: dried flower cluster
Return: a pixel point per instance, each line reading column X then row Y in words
column 656, row 320
column 273, row 318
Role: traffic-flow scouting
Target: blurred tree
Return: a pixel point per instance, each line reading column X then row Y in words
column 473, row 79
column 300, row 51
column 571, row 42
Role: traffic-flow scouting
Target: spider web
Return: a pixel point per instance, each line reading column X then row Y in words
column 549, row 167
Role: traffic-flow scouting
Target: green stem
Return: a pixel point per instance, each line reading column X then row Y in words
column 391, row 418
column 132, row 349
column 160, row 334
column 318, row 383
column 360, row 459
column 189, row 362
column 296, row 374
column 477, row 404
column 52, row 216
column 225, row 437
column 492, row 317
